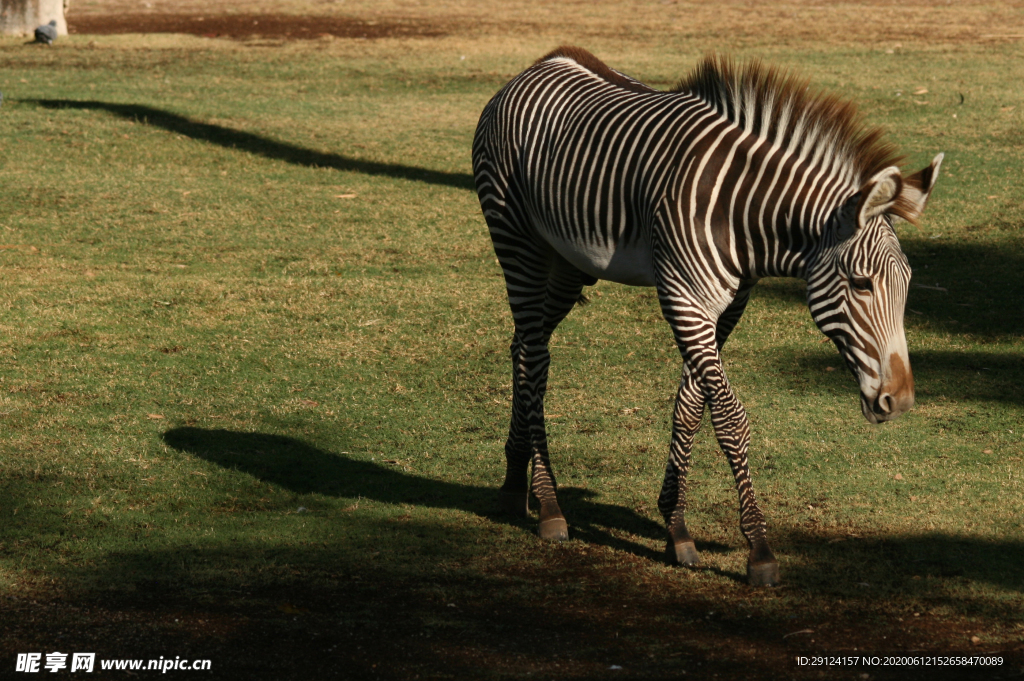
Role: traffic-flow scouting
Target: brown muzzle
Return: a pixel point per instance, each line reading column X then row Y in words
column 894, row 397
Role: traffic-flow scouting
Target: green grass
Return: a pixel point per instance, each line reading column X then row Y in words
column 226, row 379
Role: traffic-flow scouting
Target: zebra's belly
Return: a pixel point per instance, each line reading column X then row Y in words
column 625, row 263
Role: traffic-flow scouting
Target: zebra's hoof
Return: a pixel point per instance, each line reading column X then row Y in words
column 763, row 574
column 684, row 553
column 553, row 529
column 515, row 503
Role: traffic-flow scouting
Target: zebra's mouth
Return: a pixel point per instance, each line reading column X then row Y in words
column 869, row 413
column 882, row 408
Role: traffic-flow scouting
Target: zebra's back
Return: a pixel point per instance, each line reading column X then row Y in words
column 586, row 158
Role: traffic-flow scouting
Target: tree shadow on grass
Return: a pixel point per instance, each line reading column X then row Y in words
column 958, row 375
column 259, row 145
column 283, row 609
column 972, row 287
column 957, row 287
column 304, row 469
column 931, row 566
column 437, row 599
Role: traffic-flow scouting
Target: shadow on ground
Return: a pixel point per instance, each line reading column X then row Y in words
column 957, row 287
column 259, row 145
column 316, row 611
column 305, row 469
column 961, row 376
column 453, row 603
column 247, row 26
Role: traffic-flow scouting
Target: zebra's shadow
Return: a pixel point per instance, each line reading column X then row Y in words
column 305, row 469
column 619, row 528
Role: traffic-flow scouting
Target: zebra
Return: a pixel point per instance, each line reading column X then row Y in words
column 737, row 173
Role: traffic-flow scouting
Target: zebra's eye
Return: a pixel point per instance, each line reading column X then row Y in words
column 862, row 284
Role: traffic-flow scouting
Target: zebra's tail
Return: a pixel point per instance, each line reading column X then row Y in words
column 587, row 281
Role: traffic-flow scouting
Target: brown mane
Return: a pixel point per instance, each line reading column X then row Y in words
column 779, row 106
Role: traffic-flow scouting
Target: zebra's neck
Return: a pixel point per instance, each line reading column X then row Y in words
column 799, row 154
column 784, row 110
column 765, row 203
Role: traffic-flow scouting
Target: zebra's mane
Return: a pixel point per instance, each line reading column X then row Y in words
column 781, row 107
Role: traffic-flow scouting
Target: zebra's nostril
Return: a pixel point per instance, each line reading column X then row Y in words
column 884, row 404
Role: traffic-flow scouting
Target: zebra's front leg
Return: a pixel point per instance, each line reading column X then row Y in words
column 695, row 336
column 733, row 432
column 686, row 417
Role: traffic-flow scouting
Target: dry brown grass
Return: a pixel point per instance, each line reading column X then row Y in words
column 717, row 25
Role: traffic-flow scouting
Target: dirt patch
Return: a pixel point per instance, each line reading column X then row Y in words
column 245, row 26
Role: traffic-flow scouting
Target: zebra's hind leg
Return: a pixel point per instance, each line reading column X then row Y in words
column 686, row 417
column 514, row 495
column 526, row 445
column 564, row 290
column 540, row 298
column 527, row 440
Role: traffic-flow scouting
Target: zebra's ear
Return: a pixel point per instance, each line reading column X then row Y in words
column 916, row 190
column 876, row 197
column 879, row 194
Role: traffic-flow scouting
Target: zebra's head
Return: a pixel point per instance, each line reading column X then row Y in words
column 857, row 288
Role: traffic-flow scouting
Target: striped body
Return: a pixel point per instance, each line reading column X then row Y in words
column 586, row 174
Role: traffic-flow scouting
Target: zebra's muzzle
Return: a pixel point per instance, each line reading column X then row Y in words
column 895, row 397
column 884, row 407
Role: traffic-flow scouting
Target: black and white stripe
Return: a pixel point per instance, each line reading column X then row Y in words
column 584, row 174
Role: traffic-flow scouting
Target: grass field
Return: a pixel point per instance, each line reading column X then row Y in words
column 254, row 384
